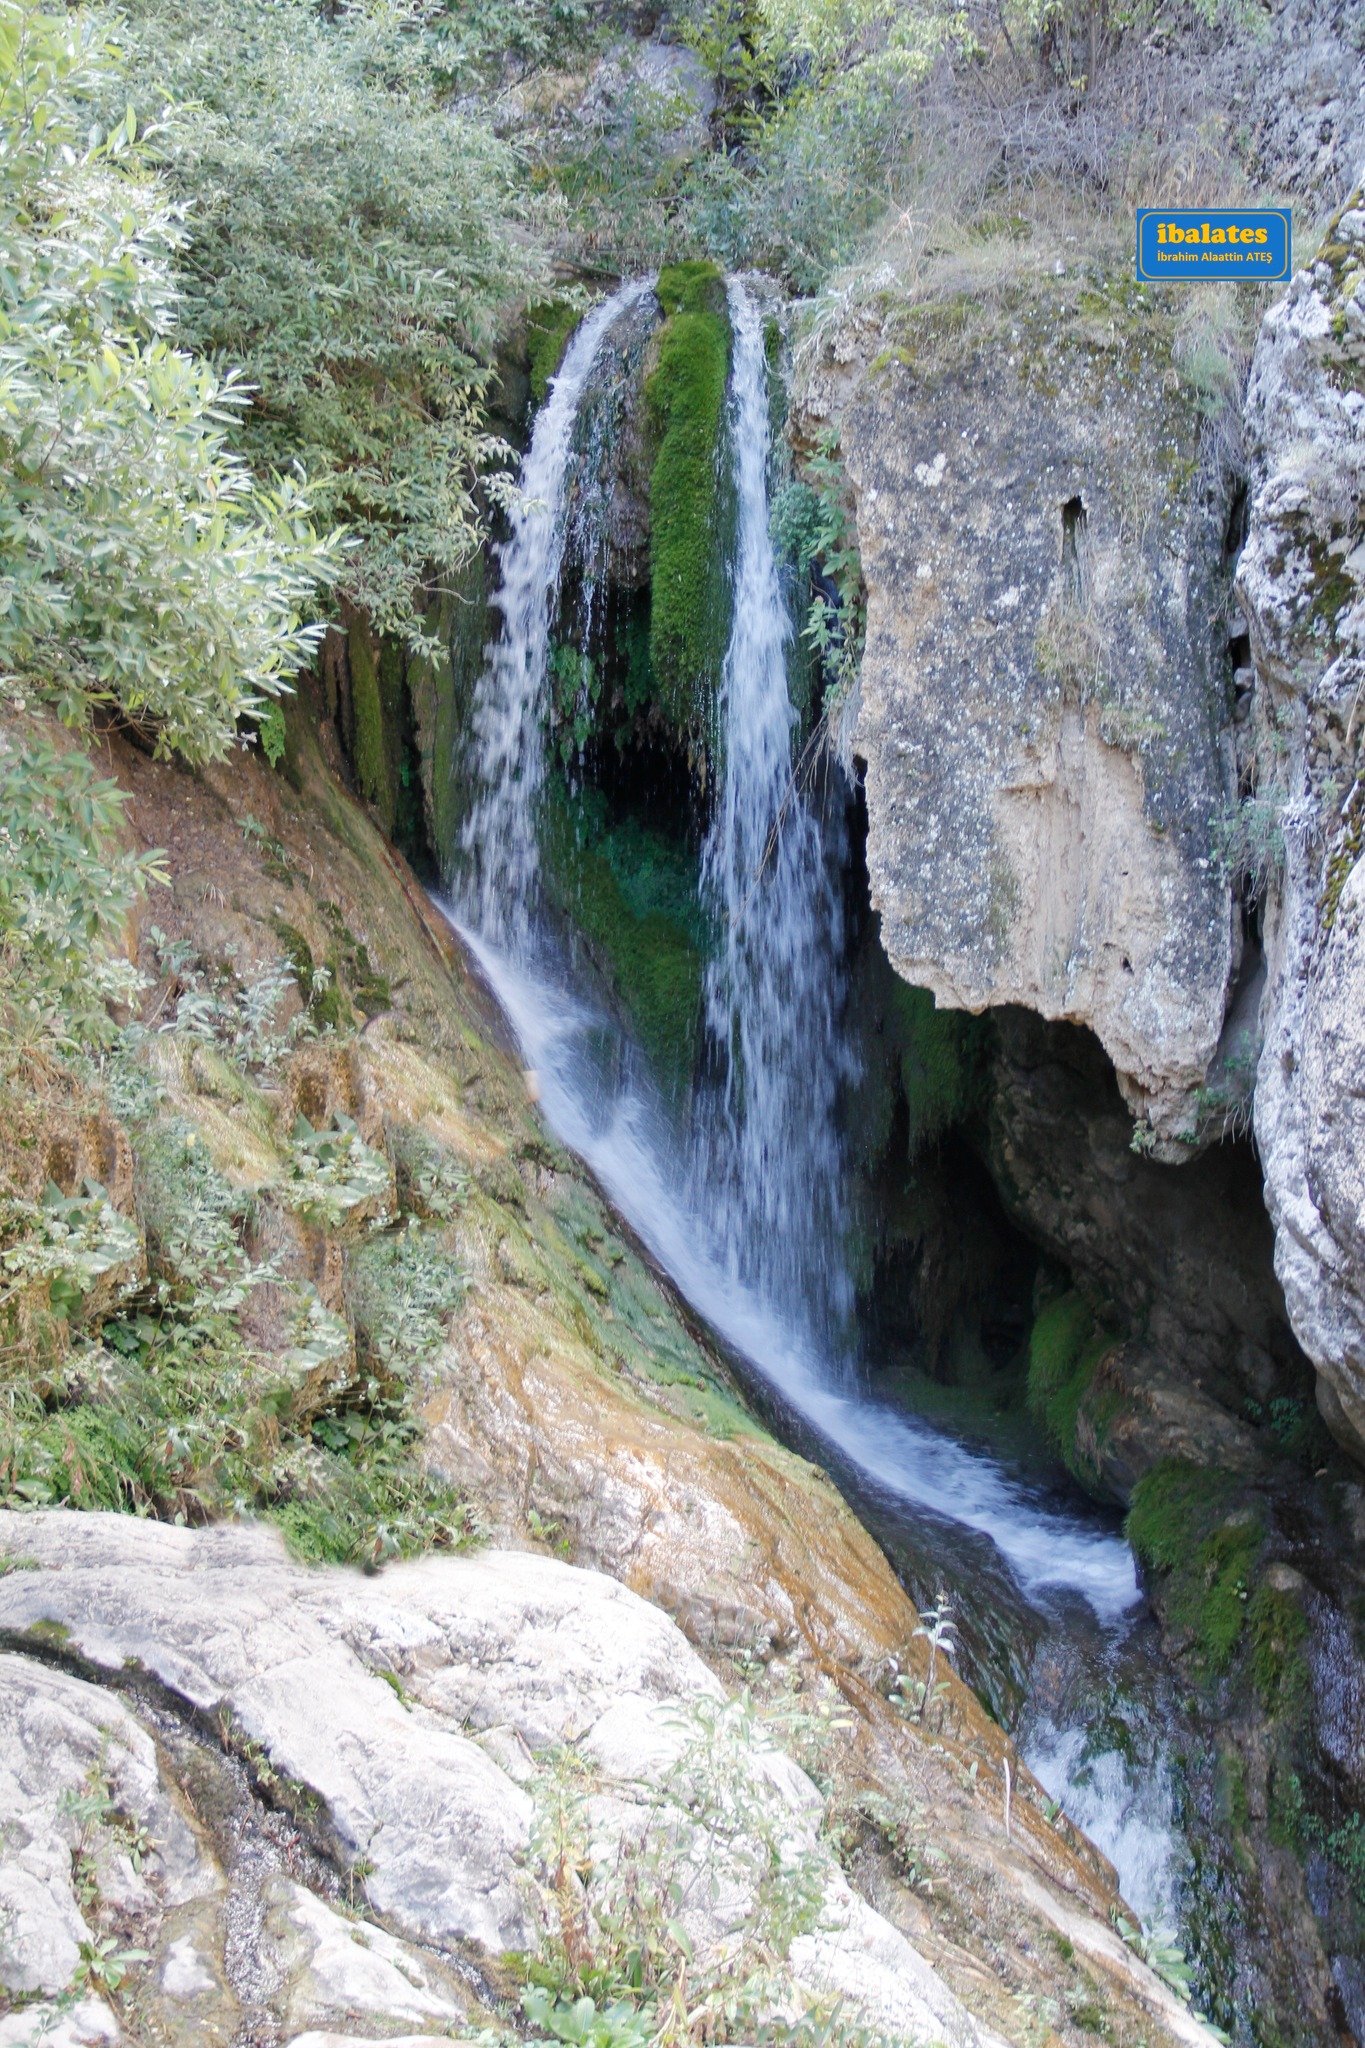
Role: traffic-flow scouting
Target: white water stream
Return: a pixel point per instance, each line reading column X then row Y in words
column 743, row 1207
column 499, row 834
column 768, row 1158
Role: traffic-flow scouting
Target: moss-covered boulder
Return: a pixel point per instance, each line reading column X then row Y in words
column 548, row 327
column 631, row 894
column 690, row 596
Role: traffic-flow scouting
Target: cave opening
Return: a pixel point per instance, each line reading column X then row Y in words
column 994, row 1178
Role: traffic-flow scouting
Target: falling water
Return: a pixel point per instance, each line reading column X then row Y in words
column 744, row 1208
column 499, row 835
column 769, row 1157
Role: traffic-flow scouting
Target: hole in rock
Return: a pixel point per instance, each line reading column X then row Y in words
column 1074, row 522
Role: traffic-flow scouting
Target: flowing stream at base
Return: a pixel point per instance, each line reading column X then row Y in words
column 740, row 1200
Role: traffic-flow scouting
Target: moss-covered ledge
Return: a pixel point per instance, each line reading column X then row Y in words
column 690, row 595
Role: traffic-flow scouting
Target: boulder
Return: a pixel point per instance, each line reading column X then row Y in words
column 433, row 1733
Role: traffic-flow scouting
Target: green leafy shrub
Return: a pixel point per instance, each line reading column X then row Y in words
column 430, row 1181
column 816, row 119
column 689, row 590
column 208, row 1005
column 66, row 888
column 400, row 1289
column 142, row 565
column 813, row 526
column 335, row 1176
column 355, row 243
column 66, row 1243
column 193, row 1220
column 177, row 1416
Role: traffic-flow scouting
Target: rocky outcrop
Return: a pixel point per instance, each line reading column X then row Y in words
column 1301, row 581
column 437, row 1746
column 363, row 1845
column 413, row 1711
column 1045, row 693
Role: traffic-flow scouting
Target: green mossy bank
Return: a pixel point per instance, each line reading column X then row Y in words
column 690, row 604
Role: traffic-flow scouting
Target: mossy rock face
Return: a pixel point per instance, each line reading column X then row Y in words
column 440, row 689
column 373, row 775
column 548, row 327
column 386, row 756
column 690, row 591
column 631, row 894
column 940, row 1061
column 1065, row 1350
column 1191, row 1526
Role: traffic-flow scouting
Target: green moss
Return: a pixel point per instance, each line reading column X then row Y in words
column 632, row 894
column 696, row 287
column 689, row 588
column 440, row 688
column 1184, row 1524
column 1278, row 1628
column 939, row 1061
column 351, row 959
column 1230, row 1790
column 388, row 772
column 548, row 327
column 1065, row 1349
column 1341, row 863
column 322, row 993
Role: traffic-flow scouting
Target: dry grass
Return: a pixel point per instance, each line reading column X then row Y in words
column 1012, row 174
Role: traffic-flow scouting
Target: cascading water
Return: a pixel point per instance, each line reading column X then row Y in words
column 768, row 1156
column 743, row 1208
column 499, row 837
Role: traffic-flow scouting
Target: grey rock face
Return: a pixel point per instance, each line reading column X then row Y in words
column 57, row 1737
column 415, row 1718
column 1182, row 1251
column 1043, row 708
column 1301, row 580
column 1302, row 92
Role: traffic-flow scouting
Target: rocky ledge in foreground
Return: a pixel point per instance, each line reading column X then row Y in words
column 280, row 1800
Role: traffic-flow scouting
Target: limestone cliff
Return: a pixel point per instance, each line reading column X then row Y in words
column 1301, row 580
column 1045, row 699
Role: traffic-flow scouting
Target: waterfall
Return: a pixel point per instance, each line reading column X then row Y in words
column 499, row 836
column 743, row 1207
column 769, row 1163
column 743, row 1210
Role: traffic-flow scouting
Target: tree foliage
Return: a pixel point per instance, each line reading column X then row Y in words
column 354, row 244
column 142, row 567
column 140, row 563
